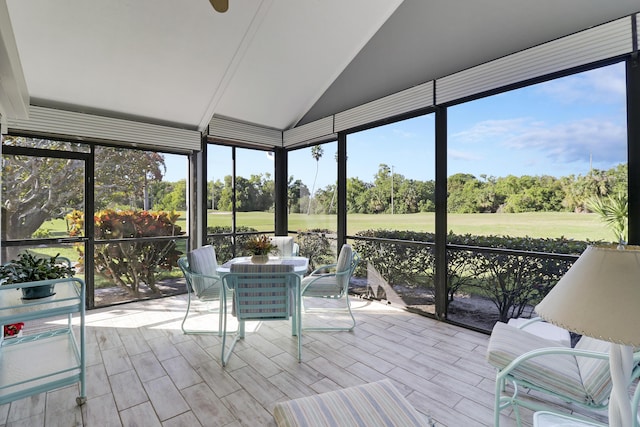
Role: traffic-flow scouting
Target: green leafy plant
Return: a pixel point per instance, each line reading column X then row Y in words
column 514, row 282
column 31, row 268
column 315, row 245
column 260, row 245
column 614, row 212
column 128, row 264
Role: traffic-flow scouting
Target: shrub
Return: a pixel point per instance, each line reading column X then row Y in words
column 512, row 281
column 315, row 245
column 224, row 244
column 129, row 264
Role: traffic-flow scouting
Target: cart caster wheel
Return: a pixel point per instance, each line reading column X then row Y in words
column 81, row 400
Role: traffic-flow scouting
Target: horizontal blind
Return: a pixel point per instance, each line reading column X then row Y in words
column 408, row 100
column 637, row 30
column 48, row 121
column 319, row 130
column 595, row 44
column 234, row 131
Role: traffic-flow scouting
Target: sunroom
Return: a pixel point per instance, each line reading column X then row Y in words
column 448, row 145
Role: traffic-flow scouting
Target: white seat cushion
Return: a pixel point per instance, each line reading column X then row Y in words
column 544, row 330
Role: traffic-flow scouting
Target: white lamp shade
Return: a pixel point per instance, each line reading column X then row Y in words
column 599, row 296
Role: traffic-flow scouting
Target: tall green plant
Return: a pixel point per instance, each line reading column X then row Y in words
column 316, row 153
column 613, row 210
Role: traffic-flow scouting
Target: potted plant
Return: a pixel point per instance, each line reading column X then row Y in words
column 260, row 248
column 30, row 268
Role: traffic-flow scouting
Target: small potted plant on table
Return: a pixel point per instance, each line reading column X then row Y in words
column 260, row 248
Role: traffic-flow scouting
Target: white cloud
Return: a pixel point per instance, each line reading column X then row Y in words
column 404, row 134
column 464, row 155
column 602, row 85
column 490, row 129
column 574, row 141
column 566, row 142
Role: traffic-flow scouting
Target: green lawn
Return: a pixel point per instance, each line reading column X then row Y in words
column 538, row 224
column 533, row 224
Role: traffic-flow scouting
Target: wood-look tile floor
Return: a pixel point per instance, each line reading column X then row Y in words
column 143, row 371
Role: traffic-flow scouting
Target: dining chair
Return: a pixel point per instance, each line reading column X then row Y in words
column 286, row 246
column 203, row 284
column 332, row 282
column 261, row 292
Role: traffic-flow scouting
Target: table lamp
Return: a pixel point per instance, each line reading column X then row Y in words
column 600, row 297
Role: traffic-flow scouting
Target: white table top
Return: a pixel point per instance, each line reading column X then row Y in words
column 300, row 264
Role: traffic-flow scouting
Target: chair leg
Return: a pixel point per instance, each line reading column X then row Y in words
column 201, row 331
column 299, row 337
column 186, row 315
column 502, row 402
column 353, row 319
column 224, row 357
column 497, row 409
column 297, row 320
column 346, row 329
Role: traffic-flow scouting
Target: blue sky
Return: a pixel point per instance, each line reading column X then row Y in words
column 554, row 128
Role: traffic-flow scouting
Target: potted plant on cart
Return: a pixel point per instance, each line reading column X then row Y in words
column 30, row 268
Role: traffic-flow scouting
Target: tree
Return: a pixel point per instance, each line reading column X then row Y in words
column 296, row 190
column 225, row 201
column 357, row 195
column 215, row 191
column 158, row 191
column 37, row 189
column 316, row 153
column 323, row 199
column 174, row 200
column 123, row 176
column 462, row 191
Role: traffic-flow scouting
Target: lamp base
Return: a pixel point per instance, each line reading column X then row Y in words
column 621, row 365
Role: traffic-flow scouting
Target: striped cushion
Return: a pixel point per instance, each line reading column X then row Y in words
column 374, row 404
column 203, row 261
column 261, row 268
column 595, row 372
column 344, row 264
column 261, row 296
column 550, row 372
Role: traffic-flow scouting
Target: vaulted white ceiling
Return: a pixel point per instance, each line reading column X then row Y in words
column 274, row 63
column 179, row 62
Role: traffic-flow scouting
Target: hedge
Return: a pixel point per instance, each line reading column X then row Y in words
column 513, row 282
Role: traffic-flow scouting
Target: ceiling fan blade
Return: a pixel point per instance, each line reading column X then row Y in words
column 220, row 5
